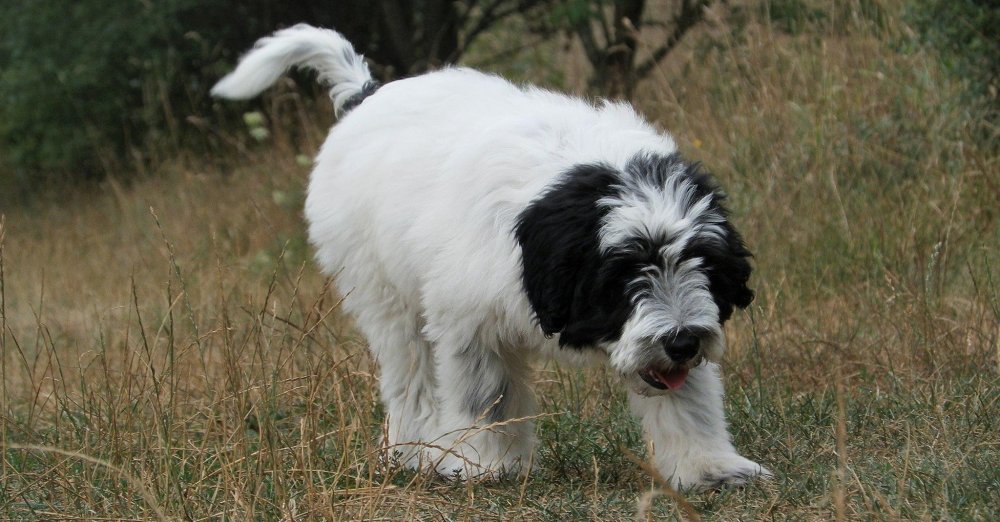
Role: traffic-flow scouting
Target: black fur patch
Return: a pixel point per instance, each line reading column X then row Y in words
column 367, row 90
column 574, row 290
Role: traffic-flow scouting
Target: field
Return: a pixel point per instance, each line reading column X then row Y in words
column 170, row 351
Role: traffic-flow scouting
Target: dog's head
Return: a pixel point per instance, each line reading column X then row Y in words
column 642, row 263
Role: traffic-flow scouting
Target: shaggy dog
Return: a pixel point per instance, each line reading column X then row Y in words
column 475, row 226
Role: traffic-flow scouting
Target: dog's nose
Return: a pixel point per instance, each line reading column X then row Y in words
column 682, row 347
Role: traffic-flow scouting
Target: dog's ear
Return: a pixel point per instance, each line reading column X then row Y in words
column 561, row 258
column 727, row 266
column 730, row 283
column 726, row 259
column 601, row 304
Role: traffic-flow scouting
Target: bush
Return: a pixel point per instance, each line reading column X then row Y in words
column 66, row 82
column 966, row 34
column 90, row 85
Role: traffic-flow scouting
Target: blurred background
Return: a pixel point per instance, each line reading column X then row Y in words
column 98, row 87
column 168, row 349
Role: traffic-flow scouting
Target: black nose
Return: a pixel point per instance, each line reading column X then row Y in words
column 682, row 347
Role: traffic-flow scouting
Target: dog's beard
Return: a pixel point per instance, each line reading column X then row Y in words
column 665, row 307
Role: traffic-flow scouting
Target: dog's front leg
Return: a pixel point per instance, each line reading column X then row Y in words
column 482, row 393
column 687, row 431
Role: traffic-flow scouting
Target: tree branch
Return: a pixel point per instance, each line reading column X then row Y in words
column 602, row 22
column 692, row 13
column 491, row 14
column 397, row 35
column 586, row 33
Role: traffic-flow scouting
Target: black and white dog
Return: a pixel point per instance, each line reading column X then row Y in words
column 474, row 226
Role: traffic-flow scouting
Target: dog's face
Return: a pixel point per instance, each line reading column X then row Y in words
column 643, row 264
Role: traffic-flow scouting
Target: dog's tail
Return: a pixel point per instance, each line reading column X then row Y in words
column 324, row 50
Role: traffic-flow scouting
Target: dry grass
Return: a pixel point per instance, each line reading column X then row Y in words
column 168, row 350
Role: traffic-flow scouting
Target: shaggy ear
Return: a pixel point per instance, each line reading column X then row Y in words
column 600, row 304
column 728, row 270
column 726, row 259
column 725, row 262
column 560, row 250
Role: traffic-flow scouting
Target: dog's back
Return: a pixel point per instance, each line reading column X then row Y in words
column 456, row 136
column 477, row 142
column 485, row 146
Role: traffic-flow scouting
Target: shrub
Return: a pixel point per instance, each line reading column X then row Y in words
column 966, row 35
column 90, row 85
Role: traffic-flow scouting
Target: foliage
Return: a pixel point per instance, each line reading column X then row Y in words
column 93, row 86
column 64, row 64
column 84, row 81
column 96, row 86
column 966, row 33
column 792, row 16
column 609, row 32
column 412, row 36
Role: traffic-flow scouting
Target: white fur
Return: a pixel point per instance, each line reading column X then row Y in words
column 668, row 211
column 412, row 205
column 323, row 50
column 687, row 434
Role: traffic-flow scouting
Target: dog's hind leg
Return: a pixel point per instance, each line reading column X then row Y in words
column 690, row 441
column 406, row 370
column 484, row 397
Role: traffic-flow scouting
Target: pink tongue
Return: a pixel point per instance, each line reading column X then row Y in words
column 673, row 379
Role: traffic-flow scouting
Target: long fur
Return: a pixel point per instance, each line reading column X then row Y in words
column 323, row 50
column 475, row 226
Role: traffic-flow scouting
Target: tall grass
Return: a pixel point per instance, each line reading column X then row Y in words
column 169, row 351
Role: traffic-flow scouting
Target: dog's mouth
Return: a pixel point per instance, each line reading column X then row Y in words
column 660, row 379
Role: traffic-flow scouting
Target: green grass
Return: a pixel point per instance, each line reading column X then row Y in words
column 168, row 347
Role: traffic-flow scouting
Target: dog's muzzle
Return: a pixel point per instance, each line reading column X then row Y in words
column 683, row 351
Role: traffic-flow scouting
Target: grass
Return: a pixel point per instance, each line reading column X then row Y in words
column 169, row 350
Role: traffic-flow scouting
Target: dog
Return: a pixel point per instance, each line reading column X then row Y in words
column 475, row 226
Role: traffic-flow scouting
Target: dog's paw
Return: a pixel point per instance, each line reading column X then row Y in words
column 719, row 473
column 456, row 467
column 397, row 455
column 736, row 476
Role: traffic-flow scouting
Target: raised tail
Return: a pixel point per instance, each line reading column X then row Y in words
column 324, row 50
